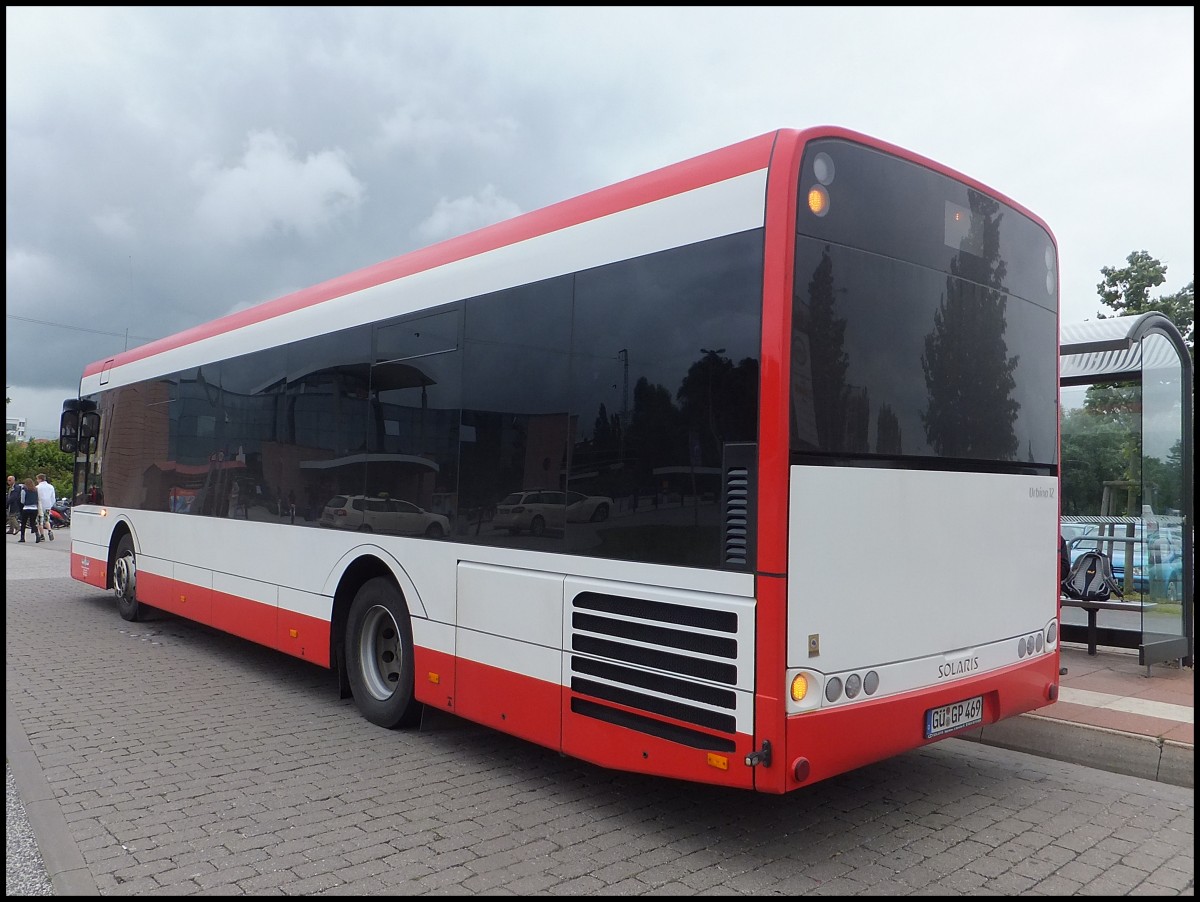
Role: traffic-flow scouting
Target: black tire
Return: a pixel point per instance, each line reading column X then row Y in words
column 125, row 580
column 379, row 655
column 600, row 514
column 537, row 527
column 435, row 531
column 365, row 528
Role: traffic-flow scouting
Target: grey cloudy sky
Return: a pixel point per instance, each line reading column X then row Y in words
column 168, row 165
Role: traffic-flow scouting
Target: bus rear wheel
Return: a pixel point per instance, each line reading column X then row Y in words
column 379, row 655
column 125, row 580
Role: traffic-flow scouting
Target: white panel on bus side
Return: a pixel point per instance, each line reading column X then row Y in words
column 888, row 565
column 507, row 616
column 200, row 577
column 307, row 603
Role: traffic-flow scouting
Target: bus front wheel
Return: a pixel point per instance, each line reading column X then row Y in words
column 125, row 580
column 379, row 655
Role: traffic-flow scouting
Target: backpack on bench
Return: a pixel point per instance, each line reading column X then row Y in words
column 1091, row 578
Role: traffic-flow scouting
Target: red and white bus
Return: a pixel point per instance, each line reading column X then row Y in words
column 743, row 471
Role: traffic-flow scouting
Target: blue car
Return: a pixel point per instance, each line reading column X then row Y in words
column 1161, row 575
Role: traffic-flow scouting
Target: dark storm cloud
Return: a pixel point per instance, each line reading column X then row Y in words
column 165, row 166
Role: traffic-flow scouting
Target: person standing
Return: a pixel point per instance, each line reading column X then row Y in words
column 29, row 510
column 46, row 499
column 14, row 505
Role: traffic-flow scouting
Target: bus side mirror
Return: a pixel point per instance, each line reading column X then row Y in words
column 78, row 427
column 68, row 431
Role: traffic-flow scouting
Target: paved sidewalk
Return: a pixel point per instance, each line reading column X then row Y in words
column 1112, row 715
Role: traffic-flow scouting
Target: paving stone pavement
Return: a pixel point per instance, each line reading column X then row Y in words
column 163, row 757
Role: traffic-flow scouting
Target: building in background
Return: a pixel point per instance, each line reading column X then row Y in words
column 14, row 429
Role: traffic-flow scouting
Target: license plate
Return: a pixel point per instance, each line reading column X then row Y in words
column 948, row 718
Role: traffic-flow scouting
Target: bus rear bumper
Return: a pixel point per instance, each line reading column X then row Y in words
column 823, row 743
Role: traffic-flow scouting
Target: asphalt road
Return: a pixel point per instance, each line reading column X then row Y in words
column 166, row 758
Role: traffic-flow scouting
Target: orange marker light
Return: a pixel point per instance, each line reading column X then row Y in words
column 799, row 687
column 818, row 200
column 720, row 762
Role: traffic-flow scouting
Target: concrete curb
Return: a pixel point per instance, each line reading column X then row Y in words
column 65, row 866
column 1120, row 753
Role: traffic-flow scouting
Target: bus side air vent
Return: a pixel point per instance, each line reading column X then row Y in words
column 667, row 670
column 738, row 506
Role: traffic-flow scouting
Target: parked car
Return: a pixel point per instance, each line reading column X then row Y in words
column 385, row 515
column 537, row 510
column 533, row 511
column 1157, row 559
column 1166, row 578
column 1071, row 531
column 588, row 508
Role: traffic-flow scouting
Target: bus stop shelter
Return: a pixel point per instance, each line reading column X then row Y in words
column 1145, row 513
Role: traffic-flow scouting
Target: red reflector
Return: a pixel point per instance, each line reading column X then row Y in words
column 801, row 769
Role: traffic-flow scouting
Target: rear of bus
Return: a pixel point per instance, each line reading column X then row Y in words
column 922, row 479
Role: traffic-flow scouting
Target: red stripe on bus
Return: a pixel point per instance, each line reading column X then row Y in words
column 510, row 702
column 290, row 632
column 435, row 682
column 621, row 748
column 90, row 570
column 540, row 711
column 246, row 618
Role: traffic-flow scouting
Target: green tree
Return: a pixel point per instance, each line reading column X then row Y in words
column 27, row 459
column 1162, row 480
column 1094, row 451
column 1110, row 446
column 1126, row 292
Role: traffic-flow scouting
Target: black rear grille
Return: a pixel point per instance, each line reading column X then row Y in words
column 717, row 646
column 670, row 732
column 649, row 657
column 710, row 695
column 680, row 615
column 661, row 659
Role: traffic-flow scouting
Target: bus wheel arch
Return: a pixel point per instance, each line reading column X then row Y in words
column 123, row 575
column 360, row 568
column 378, row 654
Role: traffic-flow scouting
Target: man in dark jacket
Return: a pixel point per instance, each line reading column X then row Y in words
column 14, row 505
